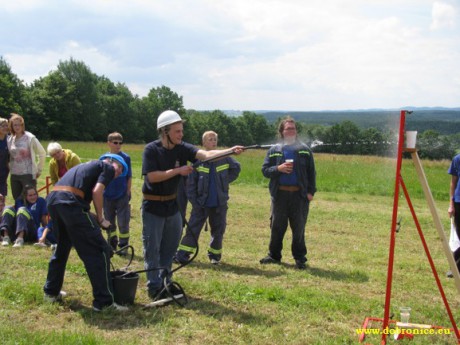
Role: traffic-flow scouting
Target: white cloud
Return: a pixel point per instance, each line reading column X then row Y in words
column 444, row 15
column 268, row 54
column 20, row 5
column 47, row 61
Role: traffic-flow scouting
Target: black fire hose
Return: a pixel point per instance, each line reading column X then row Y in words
column 166, row 274
column 167, row 283
column 251, row 147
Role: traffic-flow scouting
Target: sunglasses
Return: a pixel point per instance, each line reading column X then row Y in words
column 117, row 142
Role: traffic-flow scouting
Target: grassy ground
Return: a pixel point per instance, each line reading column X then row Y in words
column 243, row 302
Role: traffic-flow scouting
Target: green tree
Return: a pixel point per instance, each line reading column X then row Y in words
column 243, row 135
column 220, row 123
column 373, row 142
column 260, row 130
column 117, row 104
column 11, row 91
column 90, row 123
column 342, row 138
column 432, row 145
column 158, row 100
column 455, row 142
column 192, row 131
column 50, row 103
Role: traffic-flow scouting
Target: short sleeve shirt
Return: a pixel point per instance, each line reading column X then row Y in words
column 158, row 158
column 84, row 177
column 454, row 170
column 119, row 186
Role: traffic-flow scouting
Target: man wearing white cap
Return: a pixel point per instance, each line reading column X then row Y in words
column 164, row 162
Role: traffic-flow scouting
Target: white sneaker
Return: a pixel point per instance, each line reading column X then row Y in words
column 6, row 241
column 215, row 262
column 53, row 299
column 114, row 307
column 18, row 243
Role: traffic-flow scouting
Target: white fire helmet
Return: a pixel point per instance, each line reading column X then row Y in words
column 168, row 117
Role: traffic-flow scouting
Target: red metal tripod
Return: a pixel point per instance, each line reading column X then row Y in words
column 399, row 182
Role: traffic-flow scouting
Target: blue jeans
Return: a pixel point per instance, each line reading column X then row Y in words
column 160, row 237
column 50, row 236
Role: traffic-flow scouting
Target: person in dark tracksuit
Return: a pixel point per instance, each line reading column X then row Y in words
column 69, row 208
column 207, row 190
column 291, row 169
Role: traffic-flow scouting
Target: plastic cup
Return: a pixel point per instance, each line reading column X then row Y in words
column 405, row 314
column 411, row 139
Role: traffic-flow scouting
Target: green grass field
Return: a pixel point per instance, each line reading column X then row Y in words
column 243, row 302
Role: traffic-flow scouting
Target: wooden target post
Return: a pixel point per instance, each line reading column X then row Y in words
column 436, row 218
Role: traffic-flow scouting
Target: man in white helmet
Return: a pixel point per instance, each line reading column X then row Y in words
column 164, row 162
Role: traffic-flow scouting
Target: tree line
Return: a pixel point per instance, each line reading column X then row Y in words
column 72, row 103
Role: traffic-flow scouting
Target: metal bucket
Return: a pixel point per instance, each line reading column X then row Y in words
column 124, row 286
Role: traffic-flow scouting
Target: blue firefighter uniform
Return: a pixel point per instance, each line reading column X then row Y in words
column 289, row 197
column 25, row 218
column 69, row 206
column 207, row 190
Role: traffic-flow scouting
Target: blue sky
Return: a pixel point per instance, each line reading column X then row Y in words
column 249, row 55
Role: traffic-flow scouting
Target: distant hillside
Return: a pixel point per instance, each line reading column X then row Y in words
column 444, row 121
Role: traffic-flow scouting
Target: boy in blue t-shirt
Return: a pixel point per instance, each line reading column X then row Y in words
column 117, row 196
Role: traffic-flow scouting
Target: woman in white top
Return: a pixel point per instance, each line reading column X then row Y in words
column 27, row 156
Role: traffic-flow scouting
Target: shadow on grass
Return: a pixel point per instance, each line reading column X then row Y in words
column 139, row 315
column 240, row 270
column 220, row 311
column 355, row 276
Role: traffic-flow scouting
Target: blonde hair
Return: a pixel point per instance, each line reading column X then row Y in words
column 2, row 121
column 53, row 148
column 208, row 134
column 14, row 117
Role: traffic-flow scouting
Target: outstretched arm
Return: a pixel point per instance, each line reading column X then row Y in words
column 203, row 155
